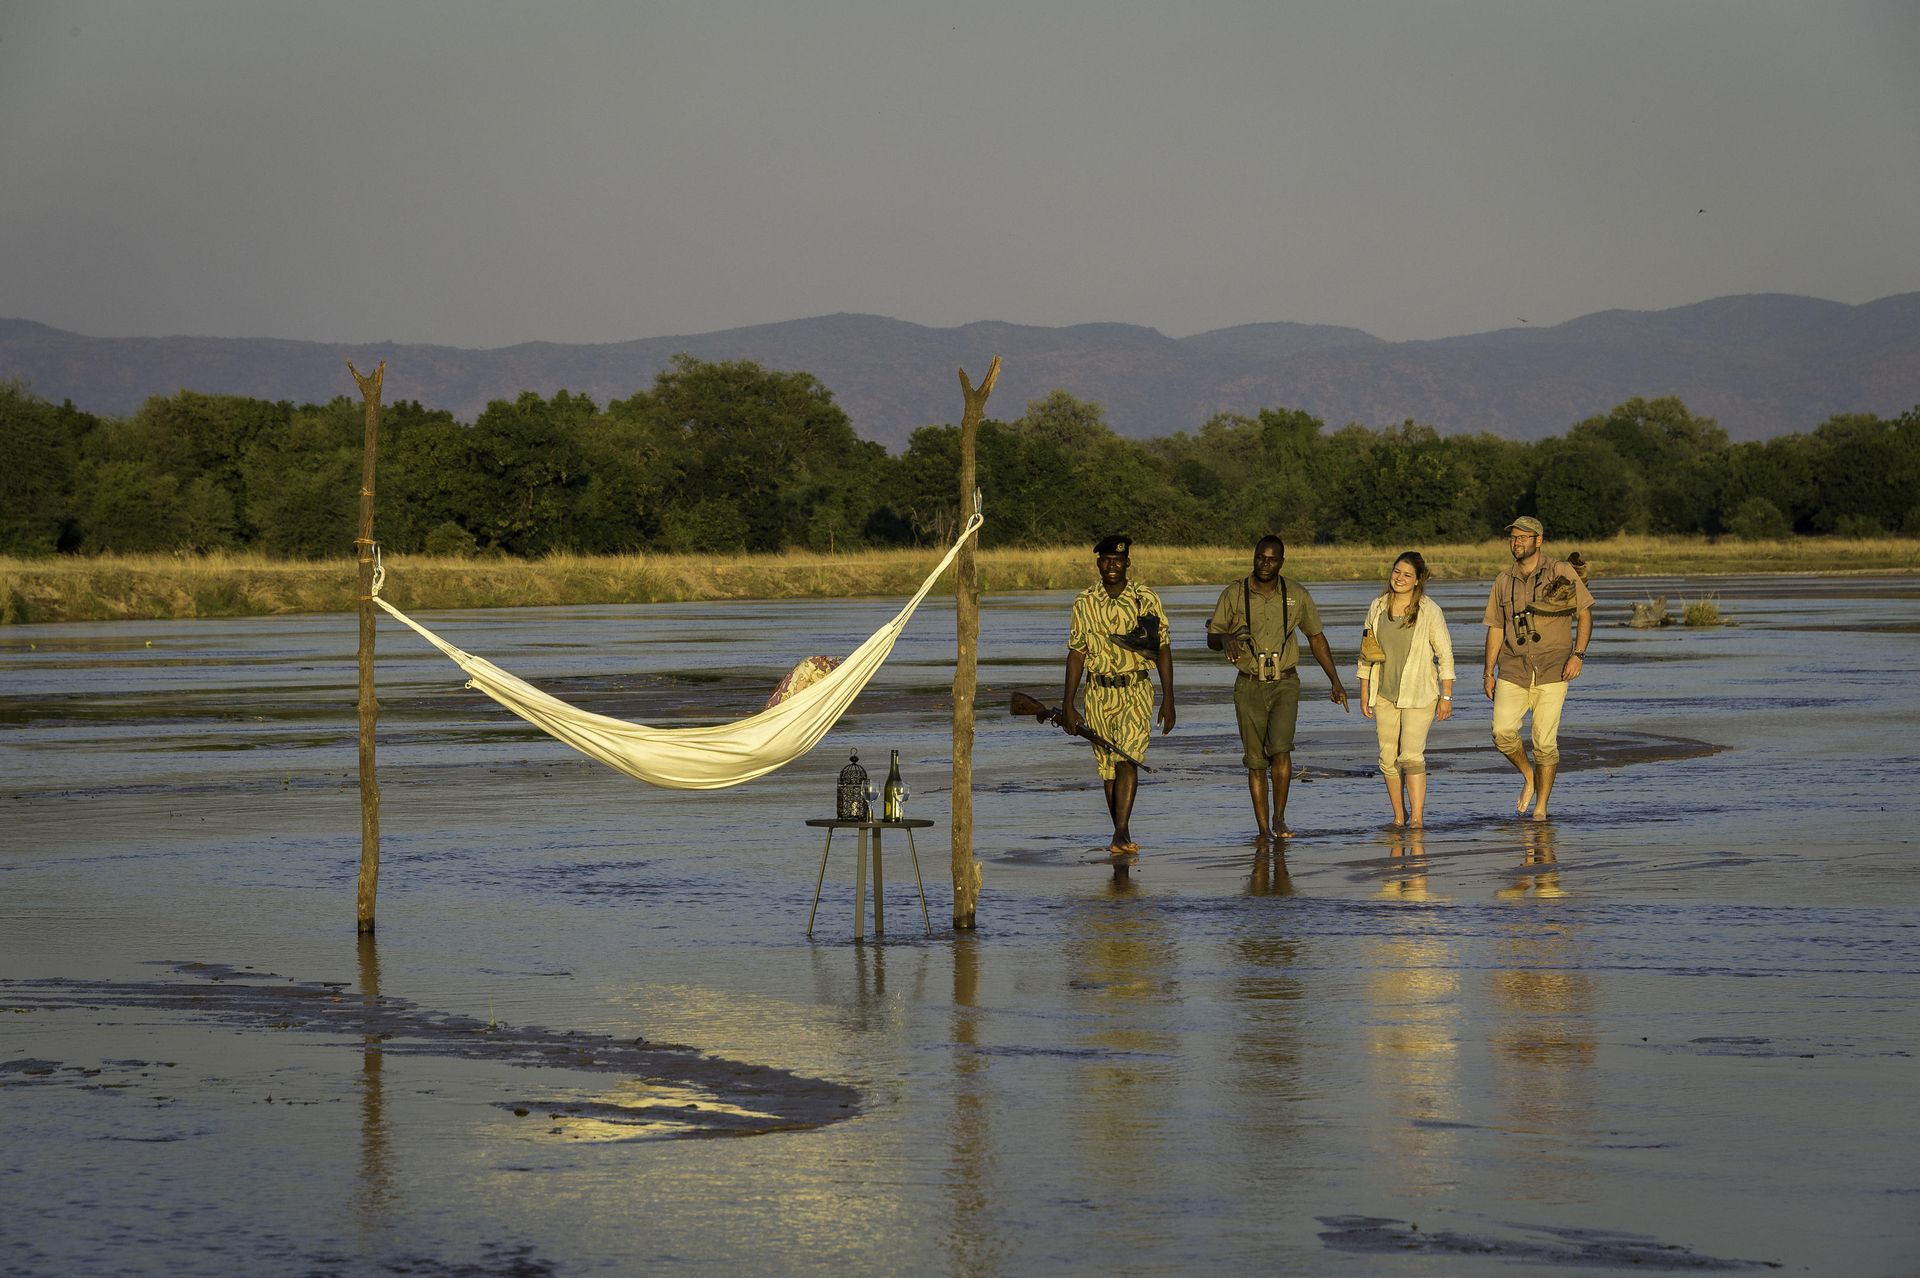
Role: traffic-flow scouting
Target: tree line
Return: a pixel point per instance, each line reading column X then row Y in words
column 732, row 457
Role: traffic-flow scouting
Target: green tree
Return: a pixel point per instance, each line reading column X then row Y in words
column 1777, row 471
column 427, row 480
column 1681, row 460
column 1504, row 472
column 1587, row 489
column 36, row 485
column 629, row 471
column 1758, row 519
column 127, row 506
column 1866, row 472
column 1400, row 484
column 302, row 480
column 767, row 444
column 190, row 434
column 529, row 471
column 1250, row 476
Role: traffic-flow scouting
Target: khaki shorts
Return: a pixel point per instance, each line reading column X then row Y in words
column 1512, row 703
column 1267, row 713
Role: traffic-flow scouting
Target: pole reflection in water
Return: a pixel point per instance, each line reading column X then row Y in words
column 373, row 1198
column 1123, row 964
column 1414, row 998
column 974, row 1245
column 1543, row 1038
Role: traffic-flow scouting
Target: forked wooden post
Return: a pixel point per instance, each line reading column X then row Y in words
column 369, row 708
column 966, row 612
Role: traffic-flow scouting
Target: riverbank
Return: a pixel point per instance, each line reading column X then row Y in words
column 174, row 587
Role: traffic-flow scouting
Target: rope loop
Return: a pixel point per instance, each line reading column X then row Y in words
column 379, row 571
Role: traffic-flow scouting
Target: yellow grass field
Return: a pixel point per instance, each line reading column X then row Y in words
column 142, row 587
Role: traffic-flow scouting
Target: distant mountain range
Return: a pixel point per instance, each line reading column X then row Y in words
column 1762, row 364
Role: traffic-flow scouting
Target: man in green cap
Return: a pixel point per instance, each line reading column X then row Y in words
column 1534, row 650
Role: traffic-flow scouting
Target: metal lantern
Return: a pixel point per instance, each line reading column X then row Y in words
column 850, row 797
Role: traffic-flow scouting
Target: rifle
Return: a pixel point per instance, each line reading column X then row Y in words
column 1027, row 707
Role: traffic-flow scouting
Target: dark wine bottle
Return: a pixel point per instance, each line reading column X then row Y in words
column 893, row 799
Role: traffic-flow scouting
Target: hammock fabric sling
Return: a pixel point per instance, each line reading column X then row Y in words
column 704, row 758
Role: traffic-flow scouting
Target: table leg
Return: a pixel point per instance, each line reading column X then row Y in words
column 860, row 892
column 879, row 896
column 919, row 883
column 818, row 880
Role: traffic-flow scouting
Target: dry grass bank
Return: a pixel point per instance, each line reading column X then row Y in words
column 130, row 587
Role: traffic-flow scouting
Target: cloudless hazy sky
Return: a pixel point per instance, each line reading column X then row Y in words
column 478, row 174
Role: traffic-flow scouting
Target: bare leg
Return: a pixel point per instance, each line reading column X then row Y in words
column 1544, row 773
column 1120, row 793
column 1257, row 790
column 1417, row 799
column 1393, row 797
column 1519, row 760
column 1282, row 782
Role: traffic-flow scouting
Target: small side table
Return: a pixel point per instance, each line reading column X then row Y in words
column 830, row 824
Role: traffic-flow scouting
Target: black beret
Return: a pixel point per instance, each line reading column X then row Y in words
column 1115, row 545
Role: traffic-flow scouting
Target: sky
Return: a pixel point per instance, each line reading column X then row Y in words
column 480, row 174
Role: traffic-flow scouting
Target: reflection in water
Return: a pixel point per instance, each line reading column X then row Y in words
column 1268, row 1007
column 1544, row 1048
column 1537, row 850
column 866, row 1007
column 974, row 1246
column 1414, row 1047
column 630, row 1110
column 1269, row 876
column 373, row 1199
column 1123, row 962
column 1408, row 882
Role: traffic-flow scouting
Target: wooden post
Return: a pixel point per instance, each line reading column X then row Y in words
column 369, row 708
column 966, row 612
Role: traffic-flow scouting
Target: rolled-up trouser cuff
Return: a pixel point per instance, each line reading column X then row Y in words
column 1403, row 737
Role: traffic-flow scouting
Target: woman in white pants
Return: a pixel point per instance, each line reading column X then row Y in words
column 1408, row 685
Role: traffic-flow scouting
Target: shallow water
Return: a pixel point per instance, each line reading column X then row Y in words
column 1674, row 1029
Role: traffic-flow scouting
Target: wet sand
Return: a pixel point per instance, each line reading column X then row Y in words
column 1672, row 1030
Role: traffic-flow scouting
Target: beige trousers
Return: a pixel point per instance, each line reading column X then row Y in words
column 1511, row 702
column 1403, row 737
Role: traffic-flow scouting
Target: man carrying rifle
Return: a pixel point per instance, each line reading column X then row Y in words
column 1119, row 629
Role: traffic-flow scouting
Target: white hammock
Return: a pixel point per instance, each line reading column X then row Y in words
column 709, row 758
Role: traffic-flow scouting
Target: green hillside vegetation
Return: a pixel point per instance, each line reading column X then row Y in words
column 731, row 459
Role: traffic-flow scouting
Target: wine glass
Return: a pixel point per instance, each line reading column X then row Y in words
column 873, row 800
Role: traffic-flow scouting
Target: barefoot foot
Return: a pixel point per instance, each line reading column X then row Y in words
column 1526, row 797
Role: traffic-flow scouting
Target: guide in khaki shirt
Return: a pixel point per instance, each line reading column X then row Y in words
column 1253, row 624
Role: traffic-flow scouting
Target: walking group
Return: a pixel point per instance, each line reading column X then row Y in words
column 1539, row 620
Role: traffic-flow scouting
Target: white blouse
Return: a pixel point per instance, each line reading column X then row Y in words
column 1432, row 647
